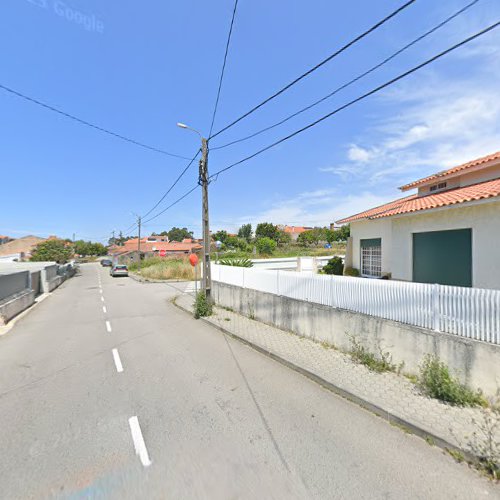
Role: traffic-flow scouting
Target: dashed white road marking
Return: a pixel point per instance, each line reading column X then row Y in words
column 102, row 299
column 139, row 445
column 104, row 310
column 100, row 291
column 118, row 361
column 108, row 326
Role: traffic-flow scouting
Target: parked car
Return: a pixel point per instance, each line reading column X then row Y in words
column 119, row 270
column 106, row 263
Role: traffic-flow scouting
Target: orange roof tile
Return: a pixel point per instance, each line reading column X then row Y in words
column 453, row 170
column 415, row 203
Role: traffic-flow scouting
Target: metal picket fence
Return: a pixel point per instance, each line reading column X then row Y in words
column 468, row 312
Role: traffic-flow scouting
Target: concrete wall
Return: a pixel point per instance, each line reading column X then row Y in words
column 367, row 229
column 476, row 363
column 13, row 283
column 483, row 218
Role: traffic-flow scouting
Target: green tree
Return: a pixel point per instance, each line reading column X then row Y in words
column 267, row 230
column 220, row 236
column 178, row 234
column 245, row 231
column 334, row 266
column 284, row 238
column 344, row 232
column 266, row 246
column 52, row 250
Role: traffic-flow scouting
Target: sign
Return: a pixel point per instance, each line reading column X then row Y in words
column 163, row 253
column 193, row 259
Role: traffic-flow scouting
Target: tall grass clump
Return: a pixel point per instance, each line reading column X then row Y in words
column 437, row 382
column 164, row 268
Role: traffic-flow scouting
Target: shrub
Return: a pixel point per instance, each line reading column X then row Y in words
column 334, row 266
column 266, row 246
column 351, row 271
column 437, row 382
column 202, row 307
column 164, row 268
column 361, row 354
column 236, row 262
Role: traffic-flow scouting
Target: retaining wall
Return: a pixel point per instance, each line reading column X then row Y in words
column 474, row 362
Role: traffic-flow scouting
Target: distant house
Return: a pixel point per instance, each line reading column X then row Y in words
column 295, row 231
column 22, row 246
column 4, row 239
column 448, row 232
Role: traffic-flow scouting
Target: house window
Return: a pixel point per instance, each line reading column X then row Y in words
column 371, row 257
column 438, row 187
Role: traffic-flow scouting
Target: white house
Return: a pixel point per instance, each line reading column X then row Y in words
column 448, row 232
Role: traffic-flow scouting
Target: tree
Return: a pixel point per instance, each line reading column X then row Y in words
column 220, row 236
column 52, row 250
column 344, row 232
column 284, row 238
column 267, row 230
column 245, row 231
column 178, row 234
column 266, row 245
column 334, row 266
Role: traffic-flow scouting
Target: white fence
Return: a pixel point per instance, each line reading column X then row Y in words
column 469, row 312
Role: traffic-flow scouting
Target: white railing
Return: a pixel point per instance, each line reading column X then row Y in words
column 469, row 312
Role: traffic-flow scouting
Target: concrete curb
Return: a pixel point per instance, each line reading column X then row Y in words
column 38, row 300
column 140, row 279
column 386, row 415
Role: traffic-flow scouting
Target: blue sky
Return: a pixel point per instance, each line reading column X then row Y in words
column 138, row 69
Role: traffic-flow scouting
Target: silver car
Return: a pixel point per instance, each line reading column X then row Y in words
column 118, row 270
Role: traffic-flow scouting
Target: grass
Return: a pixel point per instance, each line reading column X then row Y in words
column 287, row 251
column 360, row 354
column 437, row 382
column 168, row 268
column 202, row 307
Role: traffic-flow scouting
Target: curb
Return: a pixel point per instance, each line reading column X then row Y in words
column 4, row 329
column 140, row 279
column 386, row 415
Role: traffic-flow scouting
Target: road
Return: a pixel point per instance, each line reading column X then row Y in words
column 106, row 367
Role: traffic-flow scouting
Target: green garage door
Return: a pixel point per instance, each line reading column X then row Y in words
column 443, row 257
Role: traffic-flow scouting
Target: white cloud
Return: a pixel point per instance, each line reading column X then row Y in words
column 358, row 154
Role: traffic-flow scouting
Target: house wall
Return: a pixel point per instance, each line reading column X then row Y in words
column 366, row 229
column 483, row 218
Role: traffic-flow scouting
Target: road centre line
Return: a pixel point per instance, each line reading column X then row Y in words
column 102, row 299
column 104, row 310
column 139, row 445
column 108, row 326
column 118, row 361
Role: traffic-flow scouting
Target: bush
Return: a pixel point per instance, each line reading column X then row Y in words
column 360, row 354
column 351, row 271
column 59, row 251
column 236, row 262
column 202, row 307
column 437, row 382
column 334, row 266
column 266, row 246
column 164, row 268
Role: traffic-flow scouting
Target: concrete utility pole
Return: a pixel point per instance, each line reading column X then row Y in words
column 207, row 275
column 139, row 239
column 203, row 181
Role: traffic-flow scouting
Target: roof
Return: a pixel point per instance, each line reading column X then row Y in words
column 152, row 246
column 296, row 229
column 415, row 203
column 453, row 170
column 21, row 245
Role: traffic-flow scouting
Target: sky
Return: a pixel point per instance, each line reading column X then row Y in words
column 139, row 68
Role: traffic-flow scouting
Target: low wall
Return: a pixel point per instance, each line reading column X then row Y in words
column 15, row 304
column 476, row 363
column 13, row 283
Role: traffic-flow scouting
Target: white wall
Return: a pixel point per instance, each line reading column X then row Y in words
column 366, row 229
column 483, row 218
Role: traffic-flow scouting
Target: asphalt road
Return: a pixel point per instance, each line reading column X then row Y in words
column 207, row 416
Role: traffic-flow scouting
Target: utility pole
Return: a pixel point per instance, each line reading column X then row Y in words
column 113, row 237
column 207, row 276
column 203, row 181
column 139, row 239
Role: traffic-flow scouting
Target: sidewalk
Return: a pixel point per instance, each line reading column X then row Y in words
column 391, row 396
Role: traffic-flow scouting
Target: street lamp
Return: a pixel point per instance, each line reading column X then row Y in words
column 203, row 180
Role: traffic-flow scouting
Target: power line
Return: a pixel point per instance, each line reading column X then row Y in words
column 174, row 183
column 172, row 204
column 314, row 68
column 354, row 80
column 223, row 66
column 88, row 124
column 364, row 96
